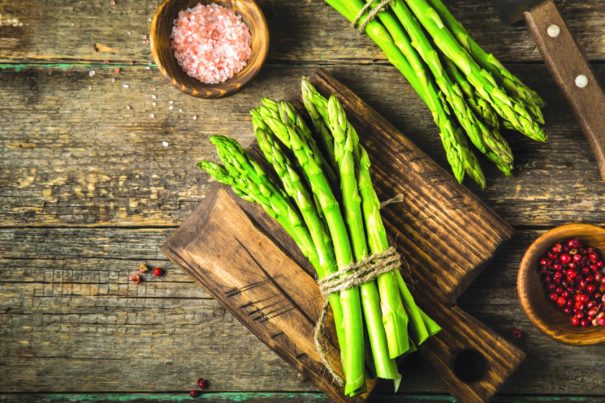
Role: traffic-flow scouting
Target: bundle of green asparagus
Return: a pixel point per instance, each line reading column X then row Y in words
column 466, row 89
column 325, row 200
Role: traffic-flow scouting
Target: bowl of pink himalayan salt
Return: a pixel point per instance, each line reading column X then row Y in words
column 209, row 49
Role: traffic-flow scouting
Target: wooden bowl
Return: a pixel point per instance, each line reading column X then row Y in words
column 161, row 49
column 543, row 313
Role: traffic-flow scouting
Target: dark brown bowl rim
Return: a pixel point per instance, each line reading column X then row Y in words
column 224, row 86
column 573, row 335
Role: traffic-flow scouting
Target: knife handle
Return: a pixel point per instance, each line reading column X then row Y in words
column 572, row 72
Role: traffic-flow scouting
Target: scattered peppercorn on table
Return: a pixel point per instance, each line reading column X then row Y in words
column 98, row 167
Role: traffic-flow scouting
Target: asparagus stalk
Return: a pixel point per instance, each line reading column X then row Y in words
column 451, row 90
column 296, row 190
column 482, row 80
column 421, row 325
column 294, row 187
column 390, row 283
column 286, row 113
column 458, row 154
column 350, row 299
column 376, row 234
column 497, row 148
column 489, row 62
column 249, row 180
column 394, row 317
column 384, row 346
column 479, row 105
column 318, row 114
column 343, row 153
column 489, row 143
column 403, row 43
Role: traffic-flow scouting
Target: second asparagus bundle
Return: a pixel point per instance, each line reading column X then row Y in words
column 467, row 90
column 324, row 198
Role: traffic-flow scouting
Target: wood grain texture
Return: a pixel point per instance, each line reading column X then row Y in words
column 223, row 250
column 210, row 242
column 432, row 205
column 74, row 156
column 566, row 61
column 163, row 53
column 542, row 312
column 497, row 359
column 66, row 300
column 300, row 31
column 219, row 247
column 63, row 320
column 262, row 397
column 182, row 396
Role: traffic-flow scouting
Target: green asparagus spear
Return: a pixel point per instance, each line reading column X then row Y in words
column 350, row 299
column 472, row 125
column 489, row 62
column 286, row 112
column 383, row 352
column 457, row 155
column 421, row 325
column 249, row 180
column 348, row 150
column 377, row 239
column 295, row 188
column 479, row 105
column 482, row 80
column 494, row 145
column 318, row 114
column 498, row 149
column 451, row 90
column 403, row 43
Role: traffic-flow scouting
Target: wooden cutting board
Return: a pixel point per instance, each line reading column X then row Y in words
column 445, row 233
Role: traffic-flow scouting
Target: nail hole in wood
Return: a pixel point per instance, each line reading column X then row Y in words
column 469, row 365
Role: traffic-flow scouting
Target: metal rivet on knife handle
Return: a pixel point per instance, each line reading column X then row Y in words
column 571, row 71
column 553, row 30
column 581, row 81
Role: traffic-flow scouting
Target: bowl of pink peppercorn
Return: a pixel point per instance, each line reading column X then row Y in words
column 561, row 284
column 209, row 49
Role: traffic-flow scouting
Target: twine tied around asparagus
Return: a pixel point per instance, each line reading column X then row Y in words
column 348, row 277
column 361, row 26
column 398, row 198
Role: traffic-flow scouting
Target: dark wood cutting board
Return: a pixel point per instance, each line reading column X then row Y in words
column 445, row 233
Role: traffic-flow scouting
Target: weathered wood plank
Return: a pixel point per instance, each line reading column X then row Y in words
column 258, row 282
column 300, row 31
column 74, row 330
column 74, row 154
column 182, row 396
column 276, row 397
column 71, row 330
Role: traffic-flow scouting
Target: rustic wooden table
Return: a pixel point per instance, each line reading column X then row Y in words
column 98, row 167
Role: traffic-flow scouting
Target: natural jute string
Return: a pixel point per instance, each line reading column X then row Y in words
column 395, row 199
column 348, row 277
column 361, row 26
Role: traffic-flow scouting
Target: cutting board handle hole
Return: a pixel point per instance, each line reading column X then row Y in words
column 469, row 365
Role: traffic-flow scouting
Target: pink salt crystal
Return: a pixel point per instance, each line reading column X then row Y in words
column 211, row 43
